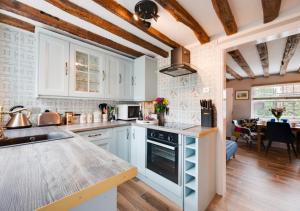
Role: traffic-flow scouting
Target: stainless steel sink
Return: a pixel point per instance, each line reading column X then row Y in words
column 51, row 136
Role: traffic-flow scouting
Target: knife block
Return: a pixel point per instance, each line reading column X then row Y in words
column 207, row 117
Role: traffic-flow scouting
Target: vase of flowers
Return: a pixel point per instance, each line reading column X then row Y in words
column 277, row 112
column 161, row 107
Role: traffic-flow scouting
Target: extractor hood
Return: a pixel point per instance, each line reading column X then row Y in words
column 180, row 63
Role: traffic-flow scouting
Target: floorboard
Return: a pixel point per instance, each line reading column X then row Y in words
column 255, row 182
column 259, row 182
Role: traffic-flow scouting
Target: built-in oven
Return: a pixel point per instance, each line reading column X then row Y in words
column 163, row 154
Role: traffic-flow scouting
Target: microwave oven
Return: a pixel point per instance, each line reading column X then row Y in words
column 128, row 111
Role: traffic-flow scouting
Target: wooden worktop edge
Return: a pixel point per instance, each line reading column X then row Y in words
column 88, row 193
column 207, row 131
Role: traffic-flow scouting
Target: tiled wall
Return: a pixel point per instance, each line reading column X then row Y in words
column 185, row 92
column 18, row 76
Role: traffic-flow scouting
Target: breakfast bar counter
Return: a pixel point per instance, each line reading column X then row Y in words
column 59, row 175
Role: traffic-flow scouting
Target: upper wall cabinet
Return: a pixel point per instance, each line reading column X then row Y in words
column 53, row 66
column 68, row 67
column 86, row 72
column 145, row 79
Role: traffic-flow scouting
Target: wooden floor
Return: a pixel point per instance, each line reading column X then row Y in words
column 254, row 182
column 257, row 182
column 136, row 195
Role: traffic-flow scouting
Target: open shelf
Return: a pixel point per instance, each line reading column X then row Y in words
column 191, row 159
column 191, row 184
column 191, row 172
column 191, row 146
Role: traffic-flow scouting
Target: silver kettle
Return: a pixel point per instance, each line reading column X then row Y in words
column 18, row 118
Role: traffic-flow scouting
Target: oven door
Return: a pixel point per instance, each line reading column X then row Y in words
column 163, row 160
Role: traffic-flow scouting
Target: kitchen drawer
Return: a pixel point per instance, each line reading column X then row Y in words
column 104, row 144
column 96, row 134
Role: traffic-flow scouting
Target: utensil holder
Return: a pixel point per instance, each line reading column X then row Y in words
column 207, row 117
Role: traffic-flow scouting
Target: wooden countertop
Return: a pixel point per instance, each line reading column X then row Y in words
column 57, row 175
column 94, row 126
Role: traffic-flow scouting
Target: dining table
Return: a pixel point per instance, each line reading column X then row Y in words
column 261, row 126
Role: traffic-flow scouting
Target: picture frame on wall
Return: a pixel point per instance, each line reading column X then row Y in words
column 242, row 95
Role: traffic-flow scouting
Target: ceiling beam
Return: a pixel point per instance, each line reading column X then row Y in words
column 240, row 60
column 225, row 15
column 289, row 51
column 262, row 50
column 181, row 15
column 122, row 12
column 233, row 73
column 271, row 9
column 40, row 16
column 16, row 23
column 84, row 14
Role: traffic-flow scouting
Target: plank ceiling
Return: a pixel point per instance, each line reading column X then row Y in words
column 246, row 13
column 275, row 53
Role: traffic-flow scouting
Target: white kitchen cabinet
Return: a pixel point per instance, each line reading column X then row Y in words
column 145, row 79
column 138, row 148
column 122, row 140
column 125, row 80
column 112, row 67
column 86, row 75
column 53, row 69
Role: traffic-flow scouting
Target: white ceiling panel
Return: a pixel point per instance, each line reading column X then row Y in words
column 275, row 50
column 251, row 56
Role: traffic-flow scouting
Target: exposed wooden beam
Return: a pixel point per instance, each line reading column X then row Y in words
column 84, row 14
column 122, row 12
column 181, row 15
column 40, row 16
column 233, row 73
column 262, row 50
column 271, row 9
column 289, row 51
column 240, row 60
column 225, row 15
column 16, row 23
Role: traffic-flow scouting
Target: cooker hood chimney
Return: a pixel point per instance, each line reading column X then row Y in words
column 180, row 63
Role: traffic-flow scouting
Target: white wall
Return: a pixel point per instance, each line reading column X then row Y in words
column 18, row 76
column 185, row 92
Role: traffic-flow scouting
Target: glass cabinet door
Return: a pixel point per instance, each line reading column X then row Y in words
column 82, row 72
column 87, row 72
column 94, row 74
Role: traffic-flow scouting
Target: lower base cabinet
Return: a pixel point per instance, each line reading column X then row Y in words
column 122, row 141
column 138, row 148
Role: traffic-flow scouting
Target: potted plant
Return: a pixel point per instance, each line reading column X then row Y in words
column 161, row 107
column 277, row 112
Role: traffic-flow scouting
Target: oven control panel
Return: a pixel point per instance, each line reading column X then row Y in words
column 163, row 136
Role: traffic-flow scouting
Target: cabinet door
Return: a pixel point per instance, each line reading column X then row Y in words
column 86, row 70
column 126, row 80
column 139, row 79
column 112, row 66
column 123, row 143
column 151, row 79
column 53, row 61
column 138, row 148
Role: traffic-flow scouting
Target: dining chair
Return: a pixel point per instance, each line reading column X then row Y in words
column 280, row 132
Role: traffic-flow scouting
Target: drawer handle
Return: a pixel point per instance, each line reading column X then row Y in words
column 94, row 135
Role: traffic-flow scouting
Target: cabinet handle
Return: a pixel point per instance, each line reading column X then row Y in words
column 132, row 81
column 94, row 135
column 66, row 68
column 120, row 78
column 133, row 134
column 103, row 75
column 127, row 134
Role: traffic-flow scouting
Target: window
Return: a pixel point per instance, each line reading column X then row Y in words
column 272, row 96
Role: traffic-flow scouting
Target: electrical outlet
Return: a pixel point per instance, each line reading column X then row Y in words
column 205, row 90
